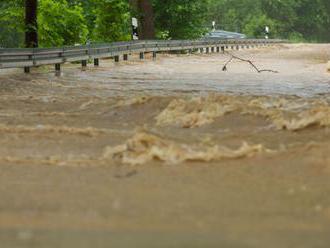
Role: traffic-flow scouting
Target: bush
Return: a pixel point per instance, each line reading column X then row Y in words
column 255, row 27
column 112, row 21
column 11, row 24
column 60, row 24
column 296, row 37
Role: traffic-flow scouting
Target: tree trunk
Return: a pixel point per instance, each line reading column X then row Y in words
column 146, row 18
column 31, row 24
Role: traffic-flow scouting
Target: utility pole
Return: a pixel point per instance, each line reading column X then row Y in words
column 31, row 24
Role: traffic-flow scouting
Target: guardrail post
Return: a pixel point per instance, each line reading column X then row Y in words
column 96, row 62
column 27, row 69
column 125, row 57
column 84, row 63
column 57, row 67
column 141, row 55
column 222, row 49
column 154, row 55
column 116, row 58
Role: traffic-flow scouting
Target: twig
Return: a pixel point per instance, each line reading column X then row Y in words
column 224, row 68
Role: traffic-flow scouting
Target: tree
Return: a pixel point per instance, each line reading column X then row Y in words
column 12, row 26
column 31, row 25
column 255, row 27
column 89, row 8
column 61, row 24
column 67, row 22
column 112, row 21
column 144, row 11
column 180, row 19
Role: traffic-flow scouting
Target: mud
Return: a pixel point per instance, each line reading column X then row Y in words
column 168, row 153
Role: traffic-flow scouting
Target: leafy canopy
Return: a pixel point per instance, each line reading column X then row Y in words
column 69, row 22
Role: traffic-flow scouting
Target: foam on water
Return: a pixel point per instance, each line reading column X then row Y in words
column 144, row 147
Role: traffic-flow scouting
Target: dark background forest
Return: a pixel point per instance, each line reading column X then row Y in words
column 69, row 22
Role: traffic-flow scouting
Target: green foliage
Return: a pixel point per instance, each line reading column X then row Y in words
column 60, row 24
column 89, row 12
column 296, row 37
column 112, row 21
column 68, row 22
column 288, row 19
column 180, row 19
column 232, row 15
column 255, row 27
column 11, row 23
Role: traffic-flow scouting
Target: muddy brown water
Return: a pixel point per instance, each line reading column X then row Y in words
column 168, row 153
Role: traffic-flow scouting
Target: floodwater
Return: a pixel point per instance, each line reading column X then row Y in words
column 169, row 153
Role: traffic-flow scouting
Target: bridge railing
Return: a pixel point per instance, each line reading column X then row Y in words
column 23, row 57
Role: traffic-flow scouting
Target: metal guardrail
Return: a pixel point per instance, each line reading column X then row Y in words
column 26, row 58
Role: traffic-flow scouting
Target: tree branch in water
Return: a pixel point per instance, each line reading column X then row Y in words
column 232, row 57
